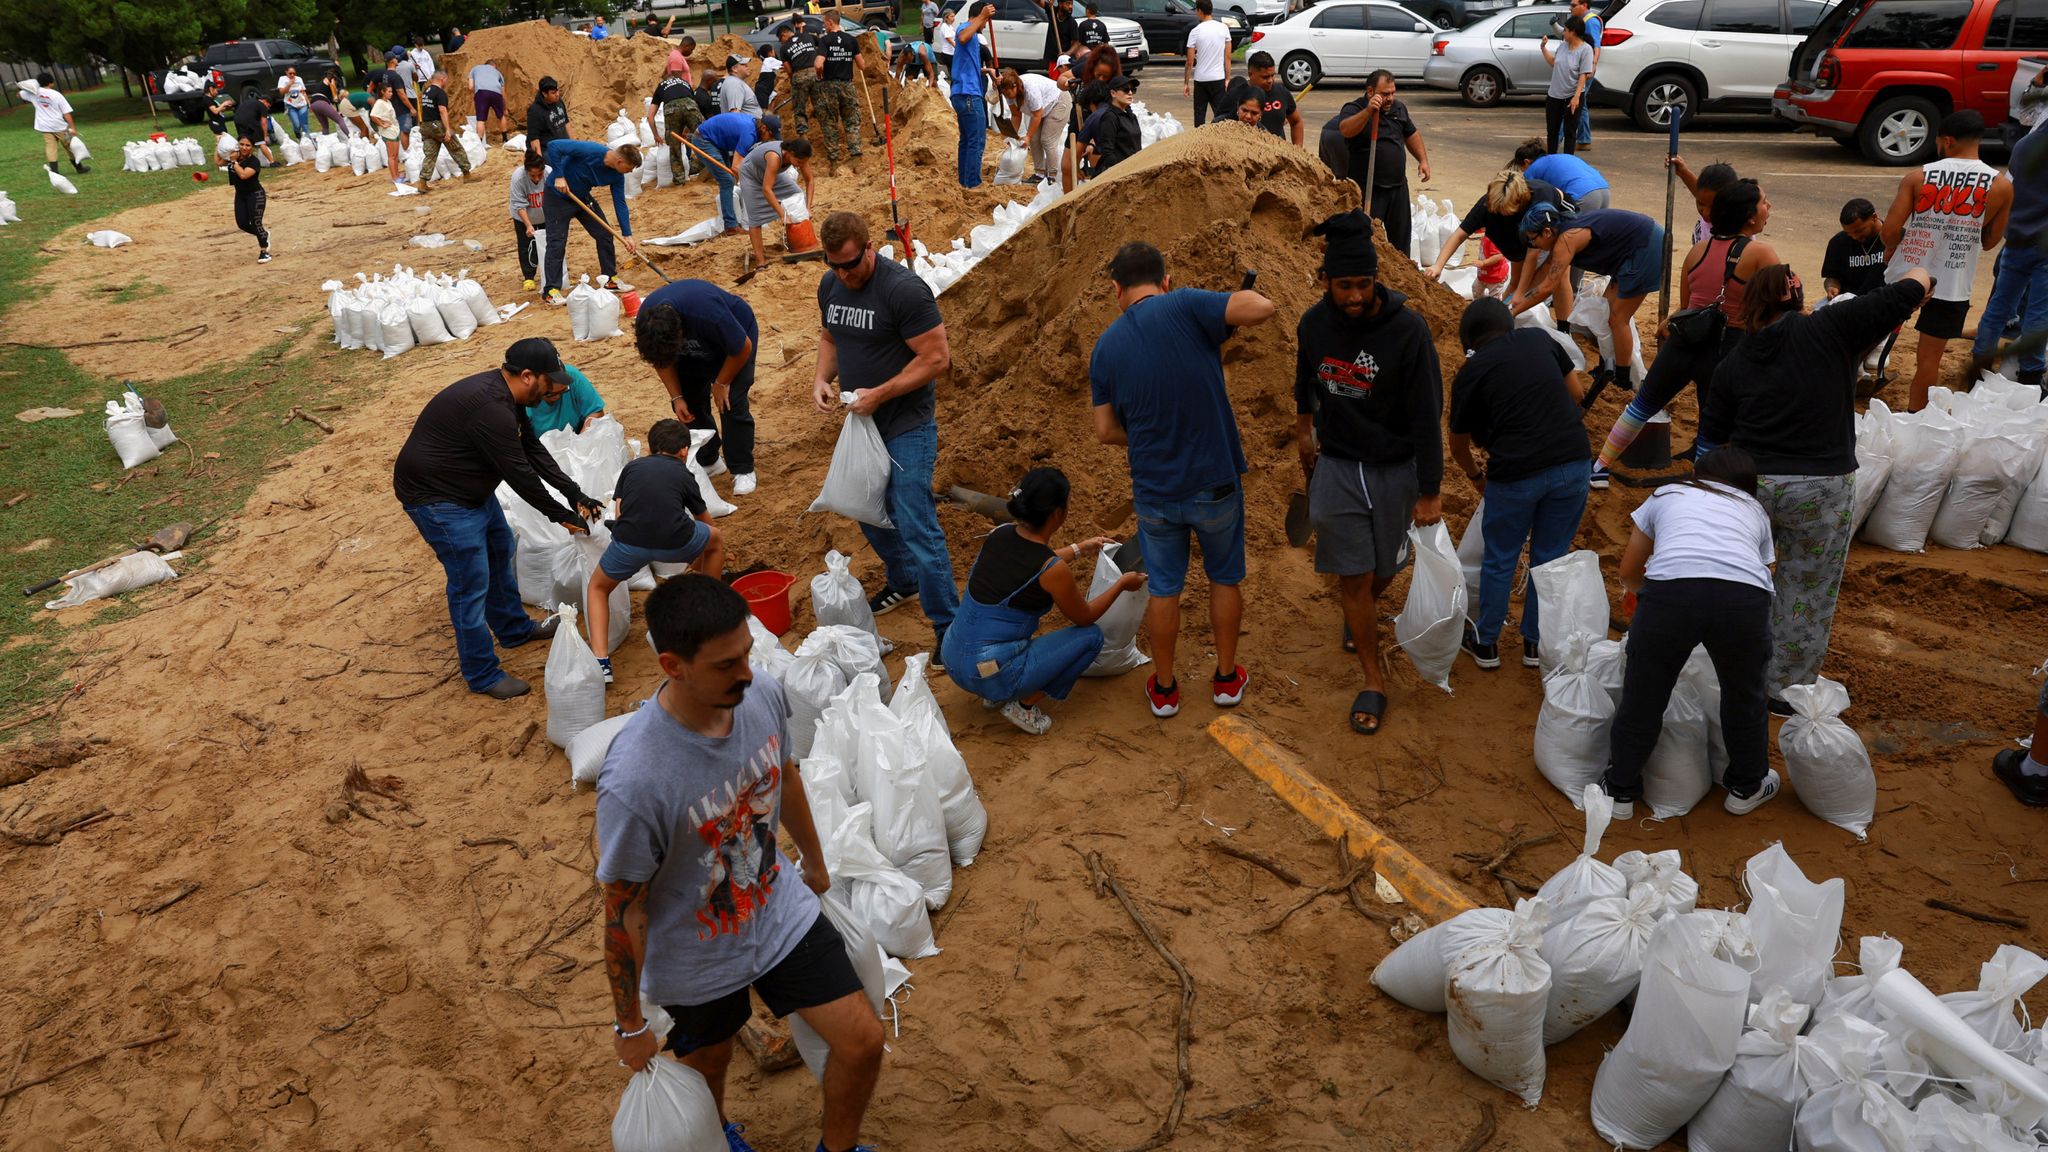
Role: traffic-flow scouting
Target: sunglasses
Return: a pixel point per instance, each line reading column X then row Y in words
column 849, row 265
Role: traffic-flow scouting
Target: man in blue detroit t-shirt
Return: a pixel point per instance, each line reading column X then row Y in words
column 1157, row 383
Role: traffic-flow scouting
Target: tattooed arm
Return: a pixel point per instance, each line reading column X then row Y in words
column 625, row 948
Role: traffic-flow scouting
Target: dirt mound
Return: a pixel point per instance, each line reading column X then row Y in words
column 597, row 78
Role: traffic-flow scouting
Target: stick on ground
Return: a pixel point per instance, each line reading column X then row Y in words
column 1980, row 917
column 46, row 1077
column 1103, row 879
column 1251, row 857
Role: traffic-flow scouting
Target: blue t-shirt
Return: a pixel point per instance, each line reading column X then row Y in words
column 1576, row 177
column 716, row 325
column 1593, row 28
column 581, row 164
column 967, row 67
column 570, row 410
column 1159, row 369
column 733, row 132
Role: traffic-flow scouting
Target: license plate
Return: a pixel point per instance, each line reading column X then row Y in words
column 1130, row 53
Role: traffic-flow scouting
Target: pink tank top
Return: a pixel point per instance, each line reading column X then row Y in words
column 1705, row 281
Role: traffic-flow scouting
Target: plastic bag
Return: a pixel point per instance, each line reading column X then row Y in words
column 1795, row 922
column 1120, row 624
column 1677, row 774
column 603, row 318
column 868, row 960
column 1857, row 995
column 1573, row 599
column 1991, row 472
column 479, row 303
column 1755, row 1105
column 455, row 313
column 1725, row 935
column 837, row 597
column 1471, row 554
column 813, row 678
column 138, row 570
column 61, row 183
column 1415, row 973
column 855, row 652
column 909, row 824
column 1853, row 1112
column 1431, row 625
column 1607, row 662
column 1585, row 879
column 573, row 682
column 1942, row 1125
column 715, row 505
column 1575, row 724
column 924, row 726
column 1928, row 450
column 129, row 434
column 1010, row 165
column 1664, row 872
column 2027, row 529
column 667, row 1106
column 2004, row 979
column 857, row 481
column 1495, row 994
column 1824, row 758
column 395, row 324
column 1999, row 1081
column 767, row 654
column 588, row 750
column 108, row 238
column 1700, row 675
column 579, row 300
column 573, row 566
column 1596, row 958
column 1680, row 1042
column 879, row 895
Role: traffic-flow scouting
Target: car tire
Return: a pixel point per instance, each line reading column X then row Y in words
column 1443, row 18
column 1655, row 96
column 1899, row 131
column 1299, row 70
column 1483, row 87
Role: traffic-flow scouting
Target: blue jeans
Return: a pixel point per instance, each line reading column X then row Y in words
column 2020, row 287
column 914, row 552
column 475, row 547
column 301, row 119
column 1585, row 121
column 1215, row 521
column 1544, row 510
column 406, row 120
column 973, row 116
column 725, row 200
column 1000, row 638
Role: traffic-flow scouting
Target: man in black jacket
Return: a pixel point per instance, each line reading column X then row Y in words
column 547, row 118
column 471, row 436
column 1367, row 396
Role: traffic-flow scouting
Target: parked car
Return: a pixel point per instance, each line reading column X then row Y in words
column 873, row 13
column 1019, row 29
column 1698, row 55
column 1442, row 13
column 1166, row 22
column 1348, row 40
column 1256, row 12
column 1495, row 57
column 239, row 67
column 1878, row 75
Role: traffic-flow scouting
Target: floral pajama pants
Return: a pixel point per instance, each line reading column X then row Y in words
column 1810, row 528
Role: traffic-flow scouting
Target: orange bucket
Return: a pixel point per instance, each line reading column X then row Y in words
column 800, row 236
column 767, row 596
column 629, row 303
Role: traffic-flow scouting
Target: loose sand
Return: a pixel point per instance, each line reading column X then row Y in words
column 402, row 980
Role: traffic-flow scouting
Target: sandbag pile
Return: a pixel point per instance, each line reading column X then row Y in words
column 593, row 311
column 941, row 270
column 159, row 154
column 135, row 442
column 1154, row 126
column 183, row 79
column 393, row 314
column 547, row 577
column 1435, row 222
column 1963, row 472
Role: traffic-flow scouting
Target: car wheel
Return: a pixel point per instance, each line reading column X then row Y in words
column 1657, row 97
column 1444, row 18
column 1300, row 70
column 1482, row 87
column 1899, row 131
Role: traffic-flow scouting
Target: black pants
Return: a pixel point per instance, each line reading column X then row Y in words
column 1209, row 100
column 1393, row 207
column 559, row 209
column 738, row 439
column 1560, row 123
column 522, row 239
column 250, row 200
column 1676, row 366
column 1672, row 618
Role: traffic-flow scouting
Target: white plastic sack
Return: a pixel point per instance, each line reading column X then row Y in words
column 1431, row 625
column 768, row 654
column 1663, row 871
column 1991, row 472
column 857, row 480
column 1999, row 1081
column 1699, row 674
column 455, row 313
column 1927, row 449
column 2003, row 980
column 1857, row 995
column 879, row 895
column 587, row 751
column 1848, row 1108
column 1607, row 662
column 129, row 434
column 579, row 301
column 837, row 597
column 811, row 681
column 1585, row 879
column 924, row 727
column 1011, row 164
column 8, row 213
column 865, row 952
column 108, row 238
column 1680, row 1042
column 61, row 183
column 1495, row 995
column 138, row 570
column 426, row 322
column 573, row 682
column 1120, row 624
column 1596, row 958
column 572, row 569
column 1795, row 922
column 1754, row 1106
column 909, row 823
column 2027, row 528
column 1471, row 554
column 1677, row 774
column 1824, row 758
column 1575, row 724
column 1415, row 973
column 855, row 651
column 604, row 315
column 667, row 1106
column 1942, row 1125
column 1574, row 600
column 1544, row 320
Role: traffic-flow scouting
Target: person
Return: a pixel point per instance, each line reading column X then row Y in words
column 661, row 519
column 838, row 107
column 632, row 23
column 677, row 101
column 1493, row 269
column 245, row 170
column 993, row 647
column 1854, row 261
column 471, row 437
column 54, row 119
column 884, row 341
column 1702, row 187
column 1156, row 381
column 928, row 19
column 437, row 132
column 1571, row 65
column 1248, row 108
column 1699, row 563
column 1517, row 397
column 547, row 118
column 702, row 343
column 1117, row 136
column 1583, row 183
column 576, row 167
column 384, row 122
column 734, row 93
column 942, row 43
column 914, row 62
column 1277, row 113
column 699, row 906
column 1714, row 274
column 726, row 138
column 1061, row 31
column 1596, row 30
column 292, row 87
column 773, row 172
column 1205, row 70
column 1943, row 217
column 1090, row 33
column 1368, row 391
column 764, row 84
column 1786, row 395
column 1379, row 116
column 968, row 94
column 421, row 59
column 1626, row 247
column 1099, row 65
column 252, row 119
column 2025, row 776
column 489, row 85
column 1497, row 216
column 1047, row 107
column 404, row 82
column 453, row 42
column 220, row 109
column 598, row 29
column 570, row 406
column 2021, row 283
column 330, row 104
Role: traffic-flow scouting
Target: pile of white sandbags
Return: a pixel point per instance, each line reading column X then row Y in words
column 550, row 565
column 160, row 154
column 1964, row 472
column 183, row 79
column 393, row 314
column 1434, row 223
column 941, row 270
column 593, row 311
column 1154, row 126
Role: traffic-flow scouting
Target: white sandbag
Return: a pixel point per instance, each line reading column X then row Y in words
column 2027, row 527
column 1848, row 1108
column 1795, row 922
column 667, row 1106
column 137, row 570
column 540, row 544
column 1942, row 1125
column 2002, row 982
column 1607, row 662
column 604, row 313
column 108, row 238
column 1596, row 958
column 1725, row 935
column 1857, row 995
column 1678, row 775
column 1544, row 320
column 1589, row 316
column 323, row 154
column 909, row 824
column 1011, row 164
column 813, row 678
column 1585, row 879
column 1927, row 450
column 1471, row 554
column 1700, row 675
column 1574, row 600
column 768, row 655
column 1574, row 727
column 455, row 313
column 1825, row 761
column 1755, row 1105
column 579, row 302
column 2003, row 1084
column 1431, row 625
column 425, row 321
column 1415, row 972
column 129, row 433
column 590, row 746
column 515, row 142
column 1495, row 994
column 1988, row 480
column 837, row 597
column 865, row 952
column 856, row 652
column 479, row 304
column 879, row 895
column 715, row 506
column 1680, row 1041
column 9, row 214
column 1663, row 871
column 924, row 727
column 1121, row 622
column 61, row 183
column 857, row 480
column 573, row 681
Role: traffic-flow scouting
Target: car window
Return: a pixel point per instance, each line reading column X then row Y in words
column 1805, row 14
column 236, row 53
column 1150, row 7
column 2018, row 25
column 1339, row 16
column 1529, row 26
column 1755, row 16
column 1921, row 24
column 1683, row 15
column 286, row 48
column 1381, row 19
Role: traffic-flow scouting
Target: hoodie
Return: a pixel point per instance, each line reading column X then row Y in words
column 1373, row 385
column 1786, row 394
column 545, row 122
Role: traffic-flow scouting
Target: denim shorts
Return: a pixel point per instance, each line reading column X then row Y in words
column 1215, row 518
column 621, row 560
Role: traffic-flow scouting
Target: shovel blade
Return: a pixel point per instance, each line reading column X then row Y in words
column 171, row 537
column 1298, row 526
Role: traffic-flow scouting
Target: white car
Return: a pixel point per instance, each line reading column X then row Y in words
column 1019, row 28
column 1348, row 40
column 1256, row 12
column 1699, row 55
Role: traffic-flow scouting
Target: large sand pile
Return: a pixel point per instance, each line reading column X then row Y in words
column 597, row 78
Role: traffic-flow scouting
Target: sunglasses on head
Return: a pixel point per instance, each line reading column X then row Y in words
column 848, row 265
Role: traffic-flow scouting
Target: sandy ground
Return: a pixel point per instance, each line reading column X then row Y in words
column 406, row 978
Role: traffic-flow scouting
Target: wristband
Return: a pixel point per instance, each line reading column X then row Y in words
column 623, row 1035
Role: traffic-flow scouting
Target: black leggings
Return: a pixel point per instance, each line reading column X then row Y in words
column 1672, row 618
column 1560, row 122
column 250, row 200
column 1675, row 367
column 522, row 238
column 738, row 439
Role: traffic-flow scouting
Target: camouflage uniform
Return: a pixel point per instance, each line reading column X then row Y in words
column 433, row 137
column 682, row 117
column 801, row 59
column 837, row 104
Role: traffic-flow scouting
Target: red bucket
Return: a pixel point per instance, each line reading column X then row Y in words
column 629, row 303
column 767, row 596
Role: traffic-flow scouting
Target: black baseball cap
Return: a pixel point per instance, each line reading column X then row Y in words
column 548, row 84
column 536, row 354
column 1124, row 84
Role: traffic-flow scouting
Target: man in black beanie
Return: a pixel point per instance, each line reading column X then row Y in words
column 1369, row 391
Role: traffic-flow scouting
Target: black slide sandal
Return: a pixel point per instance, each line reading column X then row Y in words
column 1373, row 704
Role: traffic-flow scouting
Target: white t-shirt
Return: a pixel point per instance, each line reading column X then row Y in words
column 1702, row 535
column 422, row 64
column 294, row 89
column 1040, row 92
column 1946, row 237
column 770, row 65
column 945, row 37
column 1209, row 44
column 51, row 108
column 486, row 78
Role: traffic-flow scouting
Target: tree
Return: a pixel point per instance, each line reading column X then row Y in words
column 138, row 35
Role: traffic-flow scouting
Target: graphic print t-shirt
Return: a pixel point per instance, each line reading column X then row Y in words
column 697, row 818
column 1945, row 233
column 871, row 330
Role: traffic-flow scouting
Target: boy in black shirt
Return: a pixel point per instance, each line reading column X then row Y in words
column 661, row 520
column 1091, row 33
column 436, row 132
column 245, row 177
column 1855, row 257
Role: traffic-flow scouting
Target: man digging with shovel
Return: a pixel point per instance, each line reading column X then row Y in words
column 579, row 166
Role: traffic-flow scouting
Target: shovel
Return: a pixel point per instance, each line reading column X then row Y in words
column 1298, row 526
column 168, row 539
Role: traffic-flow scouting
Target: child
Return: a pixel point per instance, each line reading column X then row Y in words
column 245, row 177
column 1711, row 179
column 525, row 197
column 661, row 519
column 1493, row 268
column 764, row 85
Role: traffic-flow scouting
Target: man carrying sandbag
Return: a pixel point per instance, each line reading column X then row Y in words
column 471, row 436
column 701, row 340
column 693, row 922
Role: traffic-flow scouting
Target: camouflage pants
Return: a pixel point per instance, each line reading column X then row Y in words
column 838, row 105
column 803, row 98
column 434, row 137
column 1810, row 523
column 681, row 117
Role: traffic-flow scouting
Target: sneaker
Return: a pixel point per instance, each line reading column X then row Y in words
column 263, row 258
column 743, row 484
column 716, row 468
column 1226, row 691
column 1027, row 717
column 1164, row 703
column 509, row 687
column 1623, row 809
column 555, row 296
column 1744, row 805
column 734, row 1141
column 2029, row 790
column 1532, row 657
column 1597, row 479
column 83, row 169
column 529, row 285
column 1485, row 655
column 888, row 600
column 605, row 663
column 1779, row 707
column 544, row 630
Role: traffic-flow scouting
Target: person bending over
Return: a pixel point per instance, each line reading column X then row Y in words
column 1626, row 247
column 571, row 405
column 661, row 520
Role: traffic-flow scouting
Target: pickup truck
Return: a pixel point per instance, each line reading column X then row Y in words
column 238, row 66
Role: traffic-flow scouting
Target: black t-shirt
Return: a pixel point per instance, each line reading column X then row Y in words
column 433, row 102
column 1091, row 33
column 801, row 52
column 1506, row 231
column 1512, row 400
column 1276, row 104
column 670, row 90
column 218, row 109
column 1396, row 126
column 254, row 163
column 658, row 500
column 1857, row 265
column 1374, row 386
column 470, row 437
column 1010, row 564
column 249, row 117
column 839, row 49
column 871, row 330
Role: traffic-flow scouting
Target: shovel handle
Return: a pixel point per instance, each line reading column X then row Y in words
column 46, row 585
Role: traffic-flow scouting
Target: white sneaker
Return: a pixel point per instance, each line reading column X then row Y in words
column 1027, row 717
column 717, row 468
column 743, row 484
column 1764, row 792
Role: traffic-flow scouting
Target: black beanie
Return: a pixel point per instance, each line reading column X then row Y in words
column 1350, row 250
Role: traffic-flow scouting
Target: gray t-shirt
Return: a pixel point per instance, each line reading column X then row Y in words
column 487, row 78
column 698, row 818
column 871, row 330
column 735, row 96
column 1567, row 66
column 528, row 193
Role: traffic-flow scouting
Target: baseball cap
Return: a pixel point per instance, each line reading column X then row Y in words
column 548, row 84
column 773, row 124
column 536, row 354
column 1124, row 84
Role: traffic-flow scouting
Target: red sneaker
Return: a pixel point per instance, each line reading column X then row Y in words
column 1228, row 690
column 1165, row 703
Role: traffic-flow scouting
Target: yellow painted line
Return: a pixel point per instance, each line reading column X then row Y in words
column 1425, row 889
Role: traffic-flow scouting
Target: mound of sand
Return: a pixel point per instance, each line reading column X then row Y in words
column 597, row 79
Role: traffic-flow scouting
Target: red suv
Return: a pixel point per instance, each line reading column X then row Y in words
column 1879, row 75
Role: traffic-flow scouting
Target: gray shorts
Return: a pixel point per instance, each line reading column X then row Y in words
column 1361, row 514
